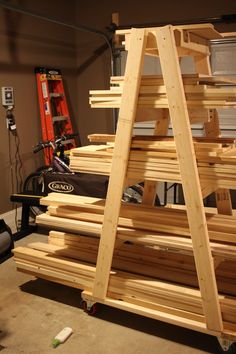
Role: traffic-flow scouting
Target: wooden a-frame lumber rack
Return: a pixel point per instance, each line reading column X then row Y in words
column 169, row 43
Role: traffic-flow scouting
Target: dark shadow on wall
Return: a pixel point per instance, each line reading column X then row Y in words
column 12, row 23
column 97, row 52
column 38, row 39
column 29, row 68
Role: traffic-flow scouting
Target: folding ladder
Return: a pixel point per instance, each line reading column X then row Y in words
column 55, row 118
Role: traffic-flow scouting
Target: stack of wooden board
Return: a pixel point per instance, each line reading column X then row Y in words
column 200, row 91
column 170, row 266
column 85, row 214
column 164, row 225
column 155, row 158
column 156, row 237
column 51, row 263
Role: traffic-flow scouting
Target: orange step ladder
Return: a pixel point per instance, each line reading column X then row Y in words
column 55, row 118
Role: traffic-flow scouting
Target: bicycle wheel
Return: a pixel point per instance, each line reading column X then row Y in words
column 34, row 185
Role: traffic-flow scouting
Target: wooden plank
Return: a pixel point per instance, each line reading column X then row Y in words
column 191, row 91
column 151, row 157
column 193, row 79
column 207, row 30
column 120, row 160
column 121, row 283
column 204, row 30
column 171, row 243
column 165, row 225
column 210, row 98
column 115, row 19
column 163, row 103
column 76, row 205
column 175, row 268
column 155, row 314
column 44, row 270
column 146, row 309
column 193, row 38
column 158, row 137
column 101, row 138
column 127, row 260
column 188, row 169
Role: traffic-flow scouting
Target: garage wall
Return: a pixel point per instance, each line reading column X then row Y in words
column 26, row 42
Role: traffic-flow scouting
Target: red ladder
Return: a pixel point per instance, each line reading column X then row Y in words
column 55, row 118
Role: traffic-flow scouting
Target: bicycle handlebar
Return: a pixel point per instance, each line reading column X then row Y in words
column 65, row 137
column 50, row 143
column 40, row 146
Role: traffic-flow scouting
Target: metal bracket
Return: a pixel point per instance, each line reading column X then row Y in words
column 225, row 343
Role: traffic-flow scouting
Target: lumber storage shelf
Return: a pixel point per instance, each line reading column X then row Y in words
column 171, row 264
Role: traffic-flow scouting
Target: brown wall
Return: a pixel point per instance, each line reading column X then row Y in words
column 27, row 42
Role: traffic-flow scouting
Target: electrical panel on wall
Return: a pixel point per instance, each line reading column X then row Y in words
column 7, row 96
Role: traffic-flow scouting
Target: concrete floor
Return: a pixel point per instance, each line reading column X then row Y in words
column 33, row 311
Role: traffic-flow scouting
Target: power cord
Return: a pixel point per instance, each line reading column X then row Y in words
column 12, row 174
column 11, row 163
column 16, row 165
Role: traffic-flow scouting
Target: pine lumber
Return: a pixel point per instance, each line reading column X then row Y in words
column 178, row 268
column 81, row 275
column 171, row 315
column 91, row 203
column 188, row 79
column 119, row 164
column 143, row 235
column 126, row 259
column 188, row 171
column 105, row 138
column 206, row 92
column 164, row 255
column 155, row 158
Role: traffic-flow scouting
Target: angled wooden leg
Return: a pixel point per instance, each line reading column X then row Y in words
column 212, row 129
column 189, row 174
column 120, row 160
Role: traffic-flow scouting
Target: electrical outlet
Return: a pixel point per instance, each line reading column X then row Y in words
column 7, row 96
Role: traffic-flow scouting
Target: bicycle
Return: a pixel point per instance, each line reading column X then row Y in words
column 34, row 183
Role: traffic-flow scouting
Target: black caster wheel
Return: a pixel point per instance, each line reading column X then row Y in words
column 90, row 310
column 230, row 350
